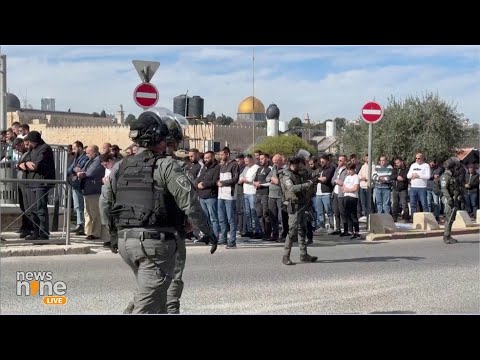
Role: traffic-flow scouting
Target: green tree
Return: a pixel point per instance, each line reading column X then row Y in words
column 211, row 117
column 130, row 119
column 296, row 121
column 472, row 136
column 355, row 138
column 223, row 120
column 95, row 114
column 287, row 145
column 103, row 114
column 424, row 124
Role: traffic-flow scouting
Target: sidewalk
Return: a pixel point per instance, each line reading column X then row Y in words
column 14, row 246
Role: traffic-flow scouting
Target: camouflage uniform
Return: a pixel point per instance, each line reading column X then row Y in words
column 295, row 185
column 152, row 200
column 452, row 194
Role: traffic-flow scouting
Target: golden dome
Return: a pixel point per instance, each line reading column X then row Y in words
column 248, row 105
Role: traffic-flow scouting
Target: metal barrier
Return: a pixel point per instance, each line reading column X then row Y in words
column 66, row 214
column 8, row 170
column 57, row 198
column 8, row 192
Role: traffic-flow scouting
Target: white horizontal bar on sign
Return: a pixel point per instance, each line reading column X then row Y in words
column 372, row 112
column 146, row 95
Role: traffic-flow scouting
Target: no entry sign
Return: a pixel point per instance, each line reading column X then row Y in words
column 145, row 95
column 372, row 112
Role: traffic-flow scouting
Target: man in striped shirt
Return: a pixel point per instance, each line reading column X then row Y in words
column 382, row 182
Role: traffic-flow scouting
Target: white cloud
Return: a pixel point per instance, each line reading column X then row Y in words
column 335, row 82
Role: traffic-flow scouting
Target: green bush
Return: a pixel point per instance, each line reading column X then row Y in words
column 287, row 145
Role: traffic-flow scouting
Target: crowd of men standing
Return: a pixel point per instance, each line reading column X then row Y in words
column 242, row 196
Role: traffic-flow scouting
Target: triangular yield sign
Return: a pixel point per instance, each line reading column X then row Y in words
column 146, row 69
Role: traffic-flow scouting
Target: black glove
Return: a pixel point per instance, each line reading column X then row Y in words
column 211, row 239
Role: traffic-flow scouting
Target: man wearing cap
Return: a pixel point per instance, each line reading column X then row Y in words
column 115, row 150
column 37, row 164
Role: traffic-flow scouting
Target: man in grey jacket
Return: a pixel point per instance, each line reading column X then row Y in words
column 337, row 203
column 275, row 200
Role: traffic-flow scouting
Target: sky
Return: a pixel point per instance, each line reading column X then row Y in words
column 322, row 81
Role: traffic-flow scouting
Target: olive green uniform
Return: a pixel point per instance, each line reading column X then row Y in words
column 295, row 187
column 151, row 252
column 452, row 193
column 175, row 289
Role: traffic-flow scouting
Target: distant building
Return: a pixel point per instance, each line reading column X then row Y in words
column 251, row 108
column 51, row 117
column 48, row 104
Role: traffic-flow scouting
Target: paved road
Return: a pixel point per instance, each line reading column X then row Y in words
column 421, row 276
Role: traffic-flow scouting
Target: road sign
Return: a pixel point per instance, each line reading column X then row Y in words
column 145, row 95
column 372, row 112
column 146, row 69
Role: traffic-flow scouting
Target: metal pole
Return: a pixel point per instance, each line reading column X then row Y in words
column 3, row 92
column 369, row 176
column 186, row 97
column 253, row 94
column 68, row 214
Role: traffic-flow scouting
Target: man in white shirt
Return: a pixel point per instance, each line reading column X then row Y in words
column 418, row 174
column 249, row 191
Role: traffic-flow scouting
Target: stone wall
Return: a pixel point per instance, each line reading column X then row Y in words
column 238, row 138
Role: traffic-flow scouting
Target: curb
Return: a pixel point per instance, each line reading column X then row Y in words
column 44, row 250
column 412, row 234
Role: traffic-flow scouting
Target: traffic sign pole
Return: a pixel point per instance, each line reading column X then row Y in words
column 372, row 112
column 369, row 176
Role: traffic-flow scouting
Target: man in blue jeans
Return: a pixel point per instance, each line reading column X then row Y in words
column 77, row 195
column 207, row 188
column 419, row 174
column 227, row 214
column 382, row 182
column 324, row 194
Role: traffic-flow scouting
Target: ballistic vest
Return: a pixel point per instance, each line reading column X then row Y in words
column 139, row 200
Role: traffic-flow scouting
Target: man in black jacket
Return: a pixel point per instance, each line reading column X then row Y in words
column 399, row 189
column 323, row 198
column 227, row 215
column 39, row 163
column 207, row 189
column 196, row 163
column 261, row 197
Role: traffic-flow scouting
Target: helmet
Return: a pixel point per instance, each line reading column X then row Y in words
column 148, row 129
column 175, row 123
column 451, row 163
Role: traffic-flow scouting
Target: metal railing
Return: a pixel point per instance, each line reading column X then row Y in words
column 8, row 170
column 66, row 214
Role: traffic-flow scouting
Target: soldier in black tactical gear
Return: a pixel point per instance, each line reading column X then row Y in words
column 295, row 185
column 152, row 200
column 452, row 191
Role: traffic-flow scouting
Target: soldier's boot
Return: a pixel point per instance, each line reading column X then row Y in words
column 286, row 260
column 308, row 258
column 449, row 240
